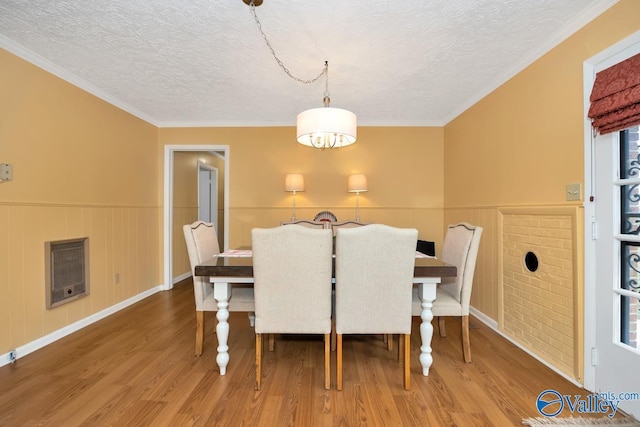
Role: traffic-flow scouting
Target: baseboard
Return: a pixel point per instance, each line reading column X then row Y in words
column 484, row 318
column 76, row 326
column 181, row 277
column 494, row 326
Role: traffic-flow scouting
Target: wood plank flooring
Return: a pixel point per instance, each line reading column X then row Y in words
column 137, row 368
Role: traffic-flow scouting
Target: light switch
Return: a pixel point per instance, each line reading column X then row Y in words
column 6, row 172
column 574, row 191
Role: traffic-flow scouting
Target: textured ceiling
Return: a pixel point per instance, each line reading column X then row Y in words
column 204, row 62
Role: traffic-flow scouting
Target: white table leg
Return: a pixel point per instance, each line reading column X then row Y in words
column 222, row 293
column 427, row 293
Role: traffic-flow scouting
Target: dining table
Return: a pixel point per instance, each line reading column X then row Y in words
column 236, row 267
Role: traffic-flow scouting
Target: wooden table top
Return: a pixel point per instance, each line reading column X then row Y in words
column 243, row 267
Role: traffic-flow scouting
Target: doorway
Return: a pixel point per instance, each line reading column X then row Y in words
column 221, row 151
column 616, row 354
column 612, row 250
column 208, row 197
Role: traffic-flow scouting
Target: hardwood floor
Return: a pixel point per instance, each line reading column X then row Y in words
column 137, row 368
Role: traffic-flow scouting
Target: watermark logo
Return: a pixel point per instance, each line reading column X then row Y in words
column 550, row 403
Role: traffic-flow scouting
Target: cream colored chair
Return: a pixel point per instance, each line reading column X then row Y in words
column 292, row 273
column 453, row 296
column 307, row 223
column 374, row 279
column 202, row 244
column 335, row 226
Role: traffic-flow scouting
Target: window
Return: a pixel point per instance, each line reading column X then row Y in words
column 629, row 183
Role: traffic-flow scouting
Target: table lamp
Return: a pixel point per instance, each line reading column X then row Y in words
column 357, row 183
column 294, row 182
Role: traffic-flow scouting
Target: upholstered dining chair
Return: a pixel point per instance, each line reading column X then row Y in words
column 292, row 284
column 460, row 248
column 307, row 223
column 335, row 226
column 374, row 279
column 202, row 244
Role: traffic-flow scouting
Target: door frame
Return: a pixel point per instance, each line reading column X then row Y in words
column 600, row 61
column 168, row 203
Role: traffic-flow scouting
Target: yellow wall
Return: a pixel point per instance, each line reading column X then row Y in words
column 521, row 144
column 404, row 167
column 81, row 167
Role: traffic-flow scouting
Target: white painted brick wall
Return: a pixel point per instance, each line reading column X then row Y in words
column 538, row 306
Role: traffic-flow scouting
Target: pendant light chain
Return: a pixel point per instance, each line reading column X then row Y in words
column 326, row 100
column 324, row 71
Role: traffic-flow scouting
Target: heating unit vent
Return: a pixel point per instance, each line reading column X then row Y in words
column 66, row 270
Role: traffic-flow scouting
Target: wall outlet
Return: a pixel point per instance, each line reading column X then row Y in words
column 116, row 278
column 574, row 191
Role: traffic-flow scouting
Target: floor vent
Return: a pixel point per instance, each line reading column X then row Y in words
column 66, row 270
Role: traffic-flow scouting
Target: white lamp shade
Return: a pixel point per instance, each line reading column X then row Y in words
column 294, row 182
column 357, row 183
column 317, row 124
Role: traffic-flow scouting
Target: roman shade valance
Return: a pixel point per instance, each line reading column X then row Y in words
column 615, row 98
